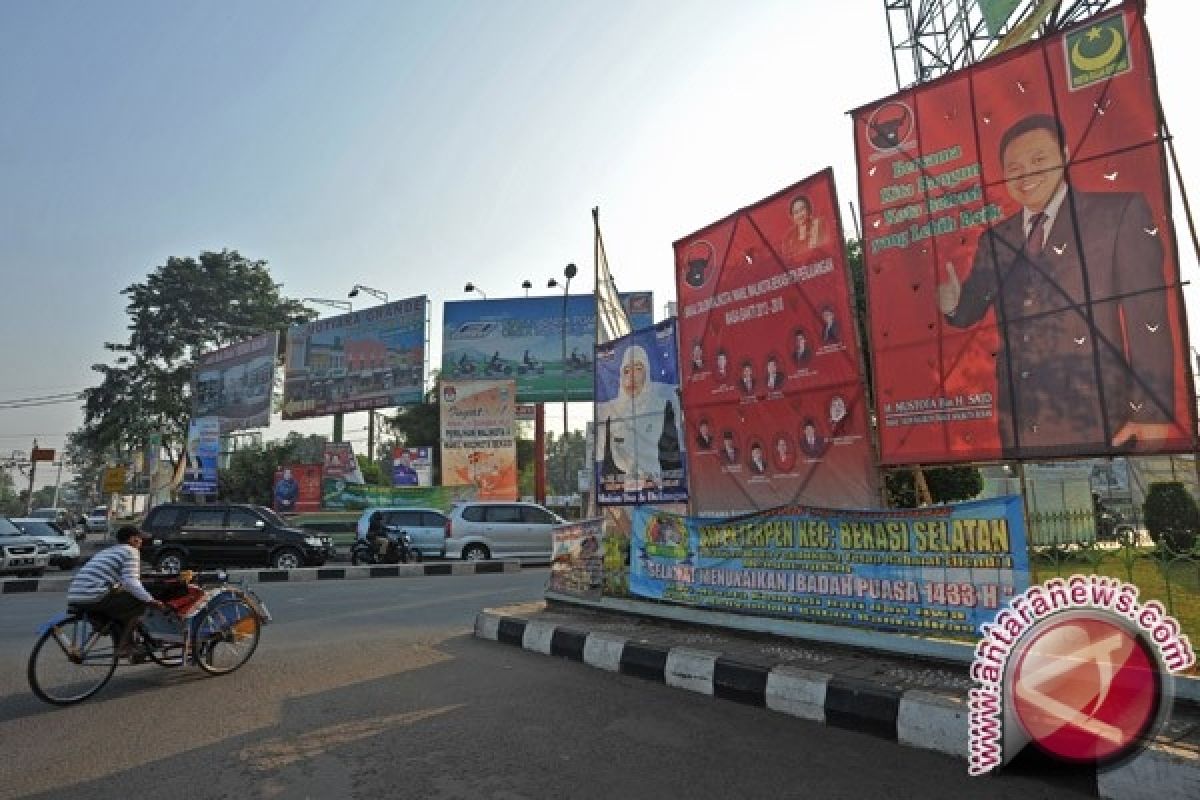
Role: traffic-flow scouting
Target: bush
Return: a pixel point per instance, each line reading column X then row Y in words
column 1172, row 516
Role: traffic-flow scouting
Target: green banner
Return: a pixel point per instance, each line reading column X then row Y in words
column 338, row 495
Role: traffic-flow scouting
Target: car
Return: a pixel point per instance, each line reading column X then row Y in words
column 96, row 520
column 63, row 549
column 426, row 526
column 228, row 535
column 489, row 529
column 60, row 516
column 21, row 554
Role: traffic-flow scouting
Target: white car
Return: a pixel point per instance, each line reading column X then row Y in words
column 20, row 554
column 63, row 550
column 482, row 530
column 96, row 520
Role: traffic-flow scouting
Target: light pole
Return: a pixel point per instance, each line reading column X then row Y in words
column 470, row 287
column 377, row 293
column 569, row 272
column 344, row 305
column 526, row 285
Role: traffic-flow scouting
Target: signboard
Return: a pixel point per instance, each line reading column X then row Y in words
column 773, row 391
column 341, row 496
column 479, row 447
column 937, row 570
column 203, row 448
column 1021, row 264
column 234, row 383
column 374, row 358
column 521, row 339
column 297, row 488
column 640, row 454
column 412, row 466
column 113, row 480
column 42, row 454
column 578, row 566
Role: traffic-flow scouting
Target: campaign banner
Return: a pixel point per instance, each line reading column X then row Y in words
column 773, row 390
column 1021, row 262
column 640, row 453
column 936, row 570
column 342, row 496
column 297, row 488
column 340, row 463
column 374, row 358
column 203, row 449
column 521, row 338
column 412, row 466
column 578, row 566
column 479, row 446
column 234, row 383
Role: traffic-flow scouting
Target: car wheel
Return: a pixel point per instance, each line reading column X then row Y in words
column 475, row 552
column 287, row 559
column 170, row 561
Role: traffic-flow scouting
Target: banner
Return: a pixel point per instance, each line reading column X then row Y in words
column 412, row 466
column 943, row 569
column 203, row 448
column 578, row 566
column 341, row 496
column 639, row 457
column 521, row 338
column 1020, row 257
column 113, row 481
column 773, row 391
column 297, row 488
column 479, row 446
column 374, row 358
column 234, row 383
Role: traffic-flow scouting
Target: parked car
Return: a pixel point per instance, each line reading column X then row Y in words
column 63, row 549
column 21, row 554
column 228, row 535
column 60, row 516
column 479, row 530
column 96, row 520
column 426, row 527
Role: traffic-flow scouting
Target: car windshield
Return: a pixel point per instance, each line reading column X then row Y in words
column 39, row 527
column 8, row 529
column 271, row 517
column 101, row 511
column 43, row 513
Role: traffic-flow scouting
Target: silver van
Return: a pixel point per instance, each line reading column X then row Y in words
column 480, row 530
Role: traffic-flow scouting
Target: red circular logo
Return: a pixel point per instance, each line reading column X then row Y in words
column 1086, row 688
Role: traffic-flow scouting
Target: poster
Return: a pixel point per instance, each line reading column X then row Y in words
column 479, row 446
column 772, row 383
column 340, row 496
column 412, row 466
column 641, row 452
column 374, row 358
column 297, row 488
column 578, row 566
column 234, row 383
column 937, row 570
column 203, row 448
column 1020, row 257
column 521, row 338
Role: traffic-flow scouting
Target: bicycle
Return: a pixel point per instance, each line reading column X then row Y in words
column 216, row 628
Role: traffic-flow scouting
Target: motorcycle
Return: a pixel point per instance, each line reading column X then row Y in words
column 400, row 550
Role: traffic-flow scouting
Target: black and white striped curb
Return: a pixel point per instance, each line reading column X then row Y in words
column 306, row 574
column 913, row 717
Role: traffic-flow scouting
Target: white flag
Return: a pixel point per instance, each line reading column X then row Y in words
column 611, row 320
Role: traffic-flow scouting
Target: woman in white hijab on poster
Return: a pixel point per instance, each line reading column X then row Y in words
column 641, row 439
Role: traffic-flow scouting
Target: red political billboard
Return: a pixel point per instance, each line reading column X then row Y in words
column 772, row 385
column 297, row 488
column 1022, row 278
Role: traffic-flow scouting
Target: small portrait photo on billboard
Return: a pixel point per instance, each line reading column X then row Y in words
column 830, row 328
column 774, row 375
column 704, row 436
column 784, row 453
column 837, row 414
column 801, row 349
column 721, row 372
column 812, row 443
column 805, row 234
column 696, row 363
column 757, row 462
column 746, row 381
column 729, row 449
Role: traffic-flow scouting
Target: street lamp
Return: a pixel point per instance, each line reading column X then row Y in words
column 344, row 305
column 526, row 285
column 569, row 272
column 378, row 293
column 470, row 287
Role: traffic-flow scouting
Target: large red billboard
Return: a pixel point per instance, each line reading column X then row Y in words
column 1022, row 279
column 772, row 385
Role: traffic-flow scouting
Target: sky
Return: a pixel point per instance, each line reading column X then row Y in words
column 412, row 147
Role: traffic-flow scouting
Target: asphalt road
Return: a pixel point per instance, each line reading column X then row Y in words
column 377, row 689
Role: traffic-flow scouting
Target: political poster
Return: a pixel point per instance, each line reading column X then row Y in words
column 412, row 466
column 773, row 393
column 479, row 446
column 297, row 488
column 203, row 449
column 1021, row 262
column 374, row 358
column 941, row 570
column 578, row 565
column 341, row 496
column 522, row 339
column 234, row 383
column 640, row 456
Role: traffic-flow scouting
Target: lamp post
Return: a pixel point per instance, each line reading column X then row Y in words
column 470, row 287
column 344, row 305
column 569, row 272
column 377, row 293
column 526, row 285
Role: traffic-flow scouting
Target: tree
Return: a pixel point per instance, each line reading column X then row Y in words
column 1172, row 516
column 560, row 479
column 946, row 485
column 10, row 501
column 421, row 425
column 372, row 474
column 250, row 476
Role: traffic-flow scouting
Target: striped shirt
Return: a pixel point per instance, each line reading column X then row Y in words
column 116, row 565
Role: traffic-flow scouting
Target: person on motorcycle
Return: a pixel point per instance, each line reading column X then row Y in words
column 527, row 361
column 464, row 363
column 109, row 585
column 378, row 537
column 495, row 362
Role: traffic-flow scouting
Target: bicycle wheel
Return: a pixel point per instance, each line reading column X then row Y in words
column 72, row 660
column 161, row 652
column 226, row 636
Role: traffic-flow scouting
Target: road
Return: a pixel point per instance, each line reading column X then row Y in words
column 376, row 689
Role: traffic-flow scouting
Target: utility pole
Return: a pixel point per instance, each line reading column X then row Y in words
column 32, row 472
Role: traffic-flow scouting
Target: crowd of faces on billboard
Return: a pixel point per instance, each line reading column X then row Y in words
column 234, row 383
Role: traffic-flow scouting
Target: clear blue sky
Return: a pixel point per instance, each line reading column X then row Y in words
column 410, row 146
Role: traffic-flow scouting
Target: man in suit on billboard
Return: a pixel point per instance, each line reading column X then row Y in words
column 1086, row 359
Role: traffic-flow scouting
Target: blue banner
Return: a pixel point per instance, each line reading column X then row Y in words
column 943, row 570
column 203, row 448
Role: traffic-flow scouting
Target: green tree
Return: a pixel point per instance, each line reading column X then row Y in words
column 564, row 459
column 946, row 485
column 372, row 473
column 421, row 425
column 1172, row 516
column 526, row 467
column 250, row 476
column 10, row 501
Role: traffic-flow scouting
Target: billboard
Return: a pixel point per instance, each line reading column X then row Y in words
column 1021, row 266
column 412, row 466
column 340, row 496
column 297, row 488
column 521, row 338
column 773, row 391
column 234, row 383
column 374, row 358
column 639, row 456
column 479, row 446
column 578, row 565
column 203, row 449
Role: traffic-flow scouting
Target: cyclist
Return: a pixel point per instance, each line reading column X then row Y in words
column 109, row 585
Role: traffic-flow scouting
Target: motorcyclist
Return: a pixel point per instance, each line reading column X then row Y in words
column 464, row 363
column 378, row 537
column 529, row 362
column 495, row 362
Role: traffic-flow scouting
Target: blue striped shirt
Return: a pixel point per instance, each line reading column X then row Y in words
column 116, row 565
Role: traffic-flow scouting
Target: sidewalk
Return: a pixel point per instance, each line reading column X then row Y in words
column 915, row 702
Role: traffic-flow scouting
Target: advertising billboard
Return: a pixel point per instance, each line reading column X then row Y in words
column 773, row 391
column 203, row 449
column 1021, row 265
column 578, row 565
column 479, row 446
column 374, row 358
column 412, row 466
column 234, row 383
column 521, row 338
column 297, row 488
column 641, row 452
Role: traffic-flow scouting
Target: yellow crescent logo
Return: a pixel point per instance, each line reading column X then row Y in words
column 1093, row 63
